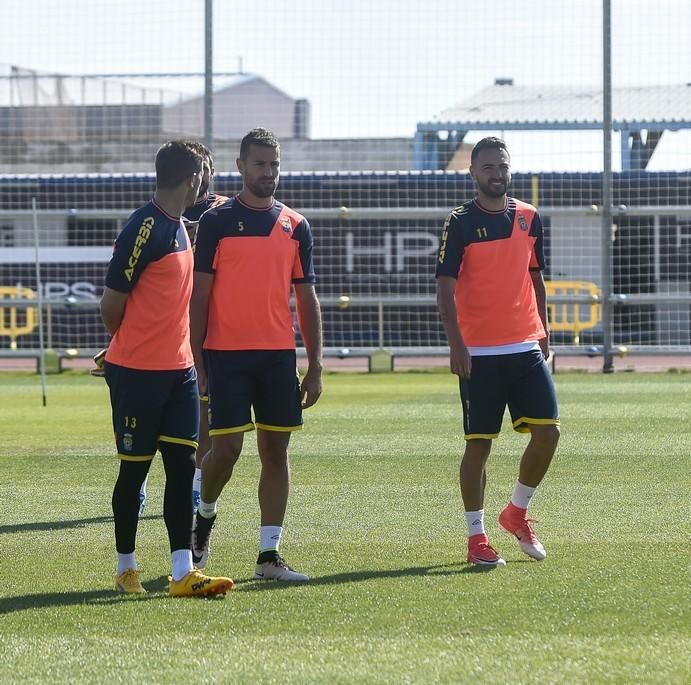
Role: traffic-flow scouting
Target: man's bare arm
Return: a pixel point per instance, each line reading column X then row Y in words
column 199, row 316
column 112, row 309
column 310, row 322
column 541, row 299
column 459, row 357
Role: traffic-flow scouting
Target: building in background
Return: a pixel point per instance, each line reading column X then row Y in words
column 242, row 102
column 641, row 116
column 53, row 123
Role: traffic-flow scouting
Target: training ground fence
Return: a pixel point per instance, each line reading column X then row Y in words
column 376, row 241
column 377, row 110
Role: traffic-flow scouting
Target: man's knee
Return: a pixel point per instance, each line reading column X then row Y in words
column 546, row 434
column 273, row 448
column 177, row 458
column 225, row 449
column 132, row 474
column 477, row 449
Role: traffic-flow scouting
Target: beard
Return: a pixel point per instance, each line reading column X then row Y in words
column 203, row 189
column 191, row 198
column 495, row 190
column 260, row 189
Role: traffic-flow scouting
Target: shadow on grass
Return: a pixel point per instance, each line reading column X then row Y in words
column 59, row 525
column 255, row 585
column 155, row 589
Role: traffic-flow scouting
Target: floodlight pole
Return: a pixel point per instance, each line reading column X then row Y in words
column 608, row 364
column 208, row 75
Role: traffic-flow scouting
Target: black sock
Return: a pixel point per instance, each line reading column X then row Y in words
column 178, row 462
column 125, row 503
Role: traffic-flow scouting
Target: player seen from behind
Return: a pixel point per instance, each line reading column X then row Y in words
column 206, row 199
column 150, row 371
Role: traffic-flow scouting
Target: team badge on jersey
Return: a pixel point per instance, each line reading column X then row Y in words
column 127, row 442
column 522, row 223
column 285, row 222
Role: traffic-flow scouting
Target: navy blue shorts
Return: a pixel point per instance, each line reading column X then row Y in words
column 520, row 381
column 151, row 407
column 265, row 381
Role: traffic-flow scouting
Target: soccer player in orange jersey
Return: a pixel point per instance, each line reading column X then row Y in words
column 149, row 368
column 251, row 253
column 205, row 200
column 491, row 299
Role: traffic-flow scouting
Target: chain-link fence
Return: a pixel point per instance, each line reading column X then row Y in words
column 376, row 111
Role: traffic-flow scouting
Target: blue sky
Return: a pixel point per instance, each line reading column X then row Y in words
column 370, row 68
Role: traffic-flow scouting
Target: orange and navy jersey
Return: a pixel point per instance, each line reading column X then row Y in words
column 209, row 201
column 491, row 255
column 194, row 213
column 255, row 255
column 152, row 262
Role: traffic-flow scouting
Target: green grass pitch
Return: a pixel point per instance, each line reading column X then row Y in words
column 375, row 517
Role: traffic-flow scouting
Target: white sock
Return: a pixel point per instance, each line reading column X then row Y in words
column 126, row 561
column 197, row 482
column 207, row 510
column 142, row 490
column 522, row 495
column 475, row 521
column 182, row 563
column 269, row 538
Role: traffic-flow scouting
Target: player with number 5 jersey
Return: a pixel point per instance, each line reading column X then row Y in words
column 251, row 254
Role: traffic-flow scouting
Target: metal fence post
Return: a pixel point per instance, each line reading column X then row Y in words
column 208, row 75
column 608, row 363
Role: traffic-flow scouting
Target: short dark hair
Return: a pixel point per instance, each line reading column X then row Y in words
column 489, row 143
column 258, row 136
column 204, row 152
column 176, row 160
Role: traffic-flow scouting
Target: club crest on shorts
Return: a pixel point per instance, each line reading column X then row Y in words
column 522, row 223
column 285, row 222
column 127, row 442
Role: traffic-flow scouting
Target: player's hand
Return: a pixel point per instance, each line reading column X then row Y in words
column 544, row 346
column 202, row 381
column 460, row 361
column 100, row 362
column 311, row 387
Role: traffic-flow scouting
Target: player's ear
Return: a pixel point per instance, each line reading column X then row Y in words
column 240, row 164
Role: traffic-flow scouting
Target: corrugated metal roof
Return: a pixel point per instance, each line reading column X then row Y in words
column 574, row 107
